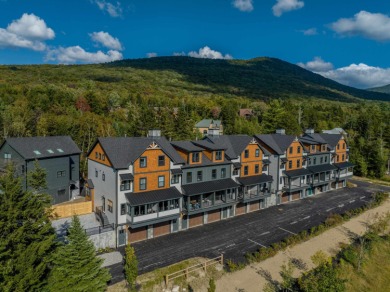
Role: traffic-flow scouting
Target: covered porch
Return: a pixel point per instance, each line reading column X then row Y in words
column 209, row 195
column 322, row 174
column 296, row 179
column 254, row 187
column 344, row 170
column 152, row 207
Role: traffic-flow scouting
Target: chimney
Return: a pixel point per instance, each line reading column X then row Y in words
column 281, row 131
column 309, row 131
column 154, row 133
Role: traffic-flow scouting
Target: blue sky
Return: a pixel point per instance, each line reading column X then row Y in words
column 348, row 40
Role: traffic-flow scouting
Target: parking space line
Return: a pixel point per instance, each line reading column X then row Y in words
column 352, row 201
column 256, row 242
column 362, row 197
column 264, row 233
column 330, row 209
column 287, row 230
column 341, row 205
column 293, row 222
column 307, row 217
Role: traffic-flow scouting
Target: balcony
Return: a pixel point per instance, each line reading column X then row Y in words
column 153, row 215
column 209, row 201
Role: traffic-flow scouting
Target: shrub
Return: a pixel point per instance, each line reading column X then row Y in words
column 212, row 286
column 232, row 266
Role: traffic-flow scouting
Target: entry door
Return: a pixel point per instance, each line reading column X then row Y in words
column 104, row 204
column 175, row 225
column 309, row 192
column 122, row 237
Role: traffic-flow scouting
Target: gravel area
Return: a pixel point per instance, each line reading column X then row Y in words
column 111, row 258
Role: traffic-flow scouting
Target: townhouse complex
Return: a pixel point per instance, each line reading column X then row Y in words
column 149, row 186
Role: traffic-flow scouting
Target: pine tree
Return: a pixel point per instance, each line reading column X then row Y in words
column 27, row 238
column 37, row 178
column 75, row 265
column 131, row 267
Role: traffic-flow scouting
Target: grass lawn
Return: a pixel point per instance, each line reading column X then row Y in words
column 375, row 272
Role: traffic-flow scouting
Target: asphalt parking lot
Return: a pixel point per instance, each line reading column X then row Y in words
column 236, row 236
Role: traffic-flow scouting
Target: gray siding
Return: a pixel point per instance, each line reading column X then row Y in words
column 273, row 170
column 106, row 188
column 206, row 173
column 57, row 186
column 317, row 157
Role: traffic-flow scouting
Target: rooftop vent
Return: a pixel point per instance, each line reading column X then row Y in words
column 37, row 152
column 50, row 151
column 281, row 131
column 154, row 133
column 60, row 150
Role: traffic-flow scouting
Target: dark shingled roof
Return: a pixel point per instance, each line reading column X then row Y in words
column 136, row 199
column 50, row 146
column 254, row 180
column 277, row 142
column 122, row 151
column 344, row 164
column 126, row 176
column 235, row 144
column 321, row 168
column 186, row 146
column 208, row 145
column 209, row 186
column 297, row 172
column 331, row 139
column 314, row 138
column 176, row 171
column 237, row 165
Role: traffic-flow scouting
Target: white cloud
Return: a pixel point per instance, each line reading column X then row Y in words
column 31, row 27
column 359, row 76
column 151, row 55
column 179, row 54
column 76, row 54
column 243, row 5
column 283, row 6
column 107, row 40
column 317, row 65
column 114, row 10
column 208, row 53
column 310, row 31
column 370, row 25
column 28, row 32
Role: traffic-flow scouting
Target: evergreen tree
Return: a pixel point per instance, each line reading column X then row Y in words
column 131, row 267
column 75, row 265
column 37, row 178
column 27, row 238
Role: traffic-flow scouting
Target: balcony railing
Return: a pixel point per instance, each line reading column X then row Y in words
column 153, row 215
column 197, row 205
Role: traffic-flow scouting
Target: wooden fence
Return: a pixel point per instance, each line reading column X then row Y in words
column 187, row 271
column 72, row 208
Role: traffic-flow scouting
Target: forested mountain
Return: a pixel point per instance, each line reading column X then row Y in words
column 382, row 89
column 260, row 78
column 130, row 97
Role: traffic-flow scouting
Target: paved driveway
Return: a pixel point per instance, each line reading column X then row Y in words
column 236, row 236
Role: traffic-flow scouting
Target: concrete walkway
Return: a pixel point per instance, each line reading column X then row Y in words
column 111, row 258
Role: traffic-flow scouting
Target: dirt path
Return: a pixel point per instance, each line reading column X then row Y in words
column 250, row 278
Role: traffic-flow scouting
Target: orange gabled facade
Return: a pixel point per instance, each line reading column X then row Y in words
column 294, row 156
column 97, row 154
column 341, row 151
column 212, row 155
column 154, row 172
column 250, row 162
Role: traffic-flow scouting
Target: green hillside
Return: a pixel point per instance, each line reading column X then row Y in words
column 382, row 89
column 130, row 97
column 260, row 78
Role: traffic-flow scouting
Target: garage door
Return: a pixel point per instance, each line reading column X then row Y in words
column 254, row 206
column 137, row 234
column 214, row 216
column 285, row 198
column 161, row 229
column 240, row 209
column 196, row 220
column 295, row 196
